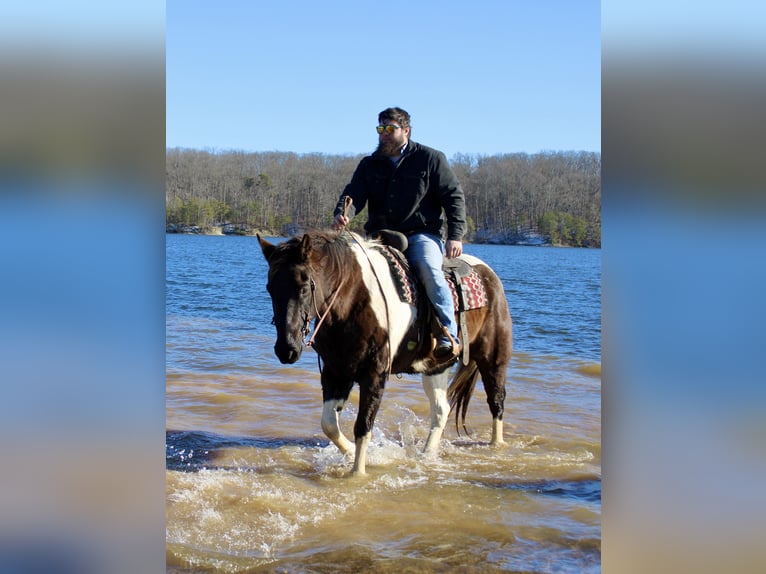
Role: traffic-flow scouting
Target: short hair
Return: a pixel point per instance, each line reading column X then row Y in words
column 397, row 115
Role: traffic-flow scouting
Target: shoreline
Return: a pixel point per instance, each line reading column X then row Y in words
column 531, row 241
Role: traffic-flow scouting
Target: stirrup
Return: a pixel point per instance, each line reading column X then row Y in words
column 454, row 346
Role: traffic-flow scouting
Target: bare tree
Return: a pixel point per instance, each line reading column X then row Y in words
column 280, row 192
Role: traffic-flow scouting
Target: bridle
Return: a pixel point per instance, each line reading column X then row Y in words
column 321, row 316
column 305, row 328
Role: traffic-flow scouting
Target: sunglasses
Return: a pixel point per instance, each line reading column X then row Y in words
column 389, row 129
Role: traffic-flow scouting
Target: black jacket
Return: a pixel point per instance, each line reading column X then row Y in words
column 410, row 196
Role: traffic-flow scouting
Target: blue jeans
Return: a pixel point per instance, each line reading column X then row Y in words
column 425, row 255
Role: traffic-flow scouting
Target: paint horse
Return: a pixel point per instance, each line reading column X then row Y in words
column 364, row 331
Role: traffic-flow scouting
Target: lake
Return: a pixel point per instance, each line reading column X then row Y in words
column 253, row 485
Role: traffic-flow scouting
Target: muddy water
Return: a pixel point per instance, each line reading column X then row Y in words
column 254, row 486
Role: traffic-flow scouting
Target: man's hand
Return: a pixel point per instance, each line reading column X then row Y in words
column 453, row 248
column 340, row 222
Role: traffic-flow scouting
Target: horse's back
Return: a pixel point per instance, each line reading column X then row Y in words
column 496, row 323
column 474, row 261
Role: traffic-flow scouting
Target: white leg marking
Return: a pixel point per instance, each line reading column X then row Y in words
column 330, row 426
column 360, row 460
column 435, row 387
column 497, row 432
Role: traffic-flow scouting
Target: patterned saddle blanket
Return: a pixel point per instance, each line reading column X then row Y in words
column 471, row 286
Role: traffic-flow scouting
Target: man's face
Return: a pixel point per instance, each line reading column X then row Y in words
column 391, row 143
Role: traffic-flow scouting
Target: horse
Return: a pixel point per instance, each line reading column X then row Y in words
column 364, row 331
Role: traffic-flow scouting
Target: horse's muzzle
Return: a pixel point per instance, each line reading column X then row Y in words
column 287, row 354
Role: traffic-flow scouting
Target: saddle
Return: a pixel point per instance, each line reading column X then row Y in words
column 467, row 289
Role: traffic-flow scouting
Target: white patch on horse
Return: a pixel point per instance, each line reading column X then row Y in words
column 392, row 314
column 421, row 366
column 330, row 411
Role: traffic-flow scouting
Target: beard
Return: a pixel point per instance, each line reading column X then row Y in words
column 389, row 148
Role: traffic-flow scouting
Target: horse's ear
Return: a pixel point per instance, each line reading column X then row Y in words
column 305, row 247
column 266, row 247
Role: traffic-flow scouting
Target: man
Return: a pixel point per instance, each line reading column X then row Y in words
column 410, row 188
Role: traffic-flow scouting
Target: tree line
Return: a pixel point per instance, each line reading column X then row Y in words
column 509, row 198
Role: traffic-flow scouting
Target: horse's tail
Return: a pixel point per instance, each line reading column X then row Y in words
column 460, row 391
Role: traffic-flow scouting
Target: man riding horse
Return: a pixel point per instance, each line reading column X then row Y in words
column 407, row 187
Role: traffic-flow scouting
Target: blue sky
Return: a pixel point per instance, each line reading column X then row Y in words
column 484, row 77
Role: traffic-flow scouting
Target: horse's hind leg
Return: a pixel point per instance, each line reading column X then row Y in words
column 435, row 387
column 494, row 385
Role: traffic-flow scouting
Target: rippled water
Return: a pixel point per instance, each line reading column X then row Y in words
column 254, row 486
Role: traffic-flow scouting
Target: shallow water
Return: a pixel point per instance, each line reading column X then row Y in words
column 254, row 486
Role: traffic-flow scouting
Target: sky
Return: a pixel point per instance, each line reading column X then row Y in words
column 482, row 78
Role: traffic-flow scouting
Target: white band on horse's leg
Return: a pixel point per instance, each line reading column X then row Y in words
column 435, row 387
column 360, row 460
column 497, row 432
column 330, row 426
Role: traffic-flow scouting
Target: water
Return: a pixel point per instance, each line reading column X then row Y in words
column 254, row 486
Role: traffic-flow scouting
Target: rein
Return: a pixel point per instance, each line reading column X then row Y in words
column 310, row 342
column 347, row 202
column 346, row 205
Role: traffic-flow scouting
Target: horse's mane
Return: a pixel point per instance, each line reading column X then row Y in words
column 330, row 252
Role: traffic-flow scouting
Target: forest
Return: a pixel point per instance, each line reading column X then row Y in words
column 544, row 198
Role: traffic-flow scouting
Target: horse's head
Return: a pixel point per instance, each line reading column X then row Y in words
column 290, row 287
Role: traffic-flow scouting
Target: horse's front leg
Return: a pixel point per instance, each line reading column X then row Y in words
column 330, row 411
column 335, row 396
column 370, row 396
column 435, row 387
